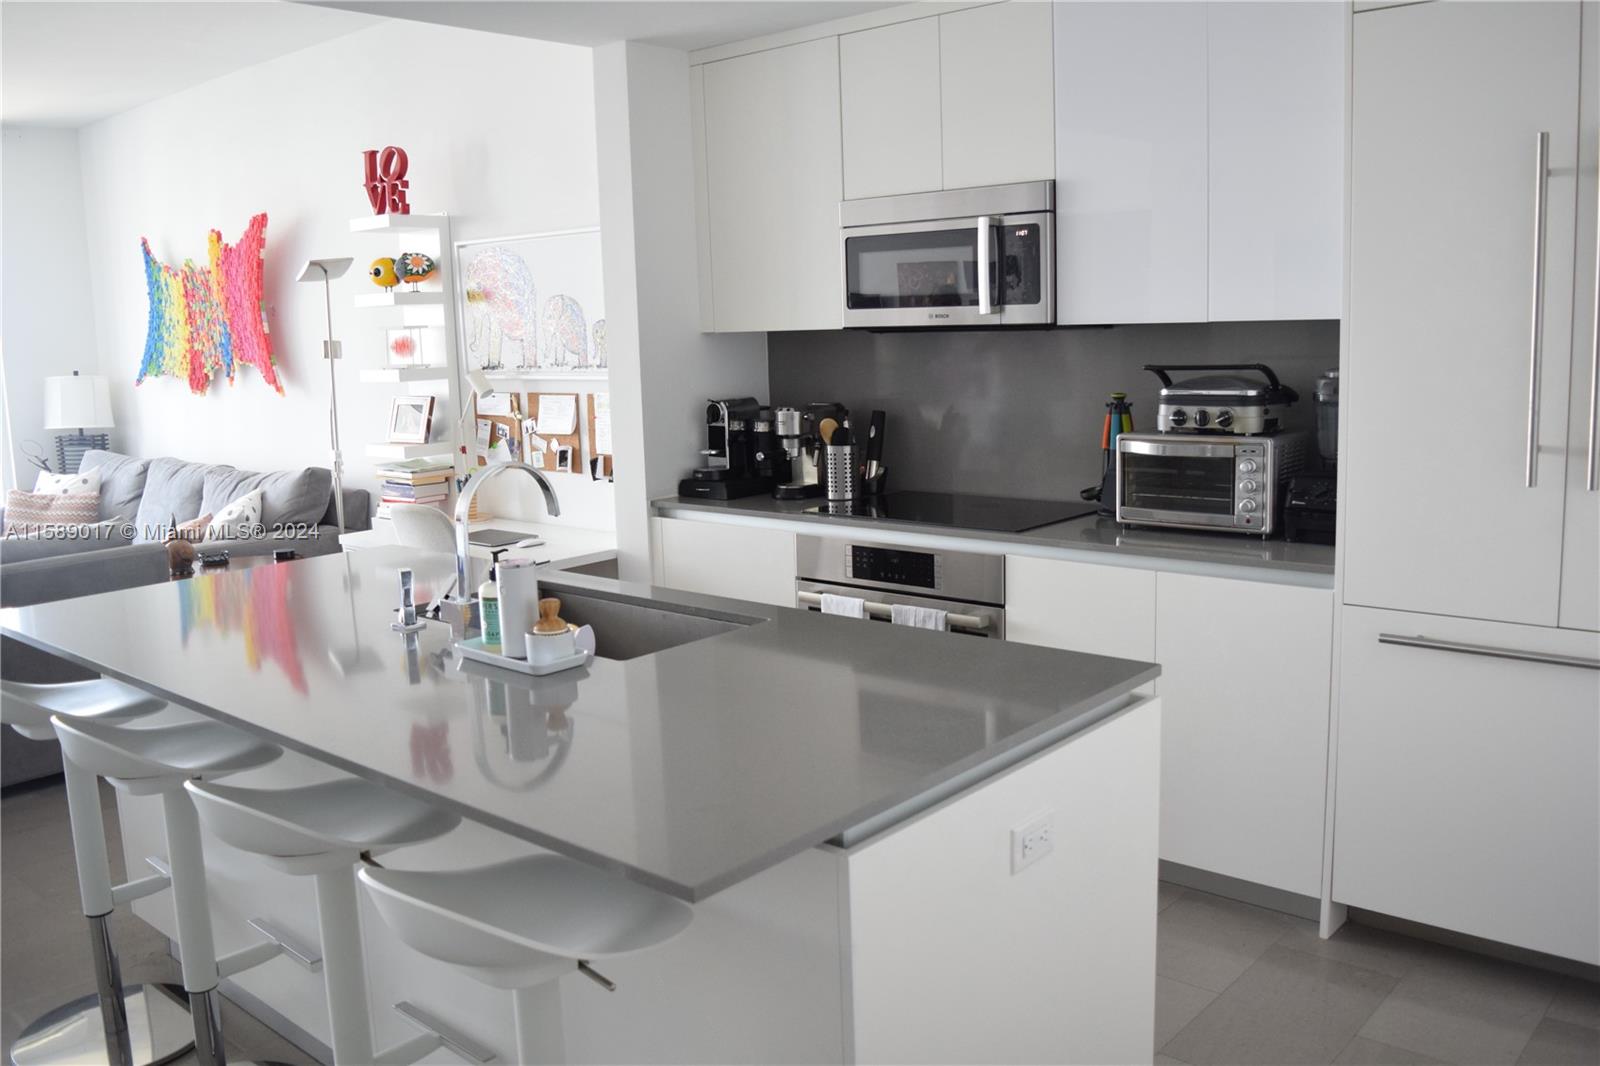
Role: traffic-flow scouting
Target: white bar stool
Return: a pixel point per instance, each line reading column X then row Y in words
column 136, row 1025
column 157, row 761
column 324, row 830
column 520, row 924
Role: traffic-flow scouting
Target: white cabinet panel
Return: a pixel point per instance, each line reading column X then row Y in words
column 773, row 185
column 1130, row 162
column 1436, row 380
column 1469, row 792
column 997, row 94
column 1277, row 133
column 889, row 95
column 740, row 562
column 1245, row 735
column 702, row 203
column 1102, row 610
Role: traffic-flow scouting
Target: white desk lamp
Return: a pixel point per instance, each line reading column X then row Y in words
column 325, row 270
column 71, row 403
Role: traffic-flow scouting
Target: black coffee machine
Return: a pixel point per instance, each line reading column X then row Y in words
column 741, row 452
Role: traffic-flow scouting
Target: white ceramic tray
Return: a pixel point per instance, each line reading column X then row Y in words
column 473, row 649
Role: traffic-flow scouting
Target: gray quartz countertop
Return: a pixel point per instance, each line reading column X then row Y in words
column 1091, row 535
column 688, row 769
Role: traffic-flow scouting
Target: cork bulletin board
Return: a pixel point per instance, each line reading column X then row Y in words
column 563, row 406
column 511, row 422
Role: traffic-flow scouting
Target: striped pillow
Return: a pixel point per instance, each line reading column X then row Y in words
column 33, row 512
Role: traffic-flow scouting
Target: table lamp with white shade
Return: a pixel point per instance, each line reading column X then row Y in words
column 72, row 403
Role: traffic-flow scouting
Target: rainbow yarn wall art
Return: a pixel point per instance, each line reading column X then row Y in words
column 211, row 319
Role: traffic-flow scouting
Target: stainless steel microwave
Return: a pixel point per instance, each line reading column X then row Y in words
column 964, row 257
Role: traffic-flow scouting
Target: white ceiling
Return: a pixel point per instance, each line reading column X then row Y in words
column 685, row 24
column 65, row 64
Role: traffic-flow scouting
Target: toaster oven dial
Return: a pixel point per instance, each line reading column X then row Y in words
column 1178, row 417
column 1248, row 466
column 1224, row 418
column 1248, row 485
column 1246, row 506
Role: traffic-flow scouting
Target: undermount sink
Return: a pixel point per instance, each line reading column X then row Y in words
column 626, row 629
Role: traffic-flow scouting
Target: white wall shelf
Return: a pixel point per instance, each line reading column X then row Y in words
column 397, row 298
column 546, row 375
column 396, row 374
column 399, row 223
column 410, row 451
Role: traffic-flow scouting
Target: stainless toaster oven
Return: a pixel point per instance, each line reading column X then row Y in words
column 1215, row 481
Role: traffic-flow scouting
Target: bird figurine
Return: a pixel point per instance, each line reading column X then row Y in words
column 383, row 275
column 416, row 267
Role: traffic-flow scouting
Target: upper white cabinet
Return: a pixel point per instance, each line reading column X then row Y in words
column 1130, row 162
column 889, row 94
column 1444, row 512
column 995, row 74
column 773, row 183
column 1199, row 161
column 1276, row 89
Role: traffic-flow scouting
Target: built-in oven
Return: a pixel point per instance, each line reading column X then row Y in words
column 970, row 588
column 980, row 257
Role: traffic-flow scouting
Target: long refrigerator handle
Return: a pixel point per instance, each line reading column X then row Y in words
column 1541, row 184
column 1592, row 479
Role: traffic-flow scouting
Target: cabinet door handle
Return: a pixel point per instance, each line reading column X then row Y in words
column 985, row 250
column 1593, row 478
column 1491, row 652
column 1541, row 184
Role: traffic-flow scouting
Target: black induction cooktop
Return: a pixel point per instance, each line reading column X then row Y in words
column 995, row 514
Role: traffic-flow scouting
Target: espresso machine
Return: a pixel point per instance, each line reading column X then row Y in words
column 800, row 432
column 736, row 463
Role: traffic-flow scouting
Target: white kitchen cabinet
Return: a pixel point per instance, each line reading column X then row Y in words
column 1102, row 610
column 773, row 183
column 1246, row 669
column 1130, row 162
column 1438, row 514
column 1275, row 99
column 996, row 94
column 1468, row 787
column 889, row 100
column 740, row 562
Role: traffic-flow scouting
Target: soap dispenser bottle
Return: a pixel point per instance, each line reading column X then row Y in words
column 489, row 612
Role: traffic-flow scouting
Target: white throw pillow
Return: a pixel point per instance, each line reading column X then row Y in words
column 84, row 481
column 240, row 519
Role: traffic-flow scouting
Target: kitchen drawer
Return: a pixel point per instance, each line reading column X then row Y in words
column 1469, row 785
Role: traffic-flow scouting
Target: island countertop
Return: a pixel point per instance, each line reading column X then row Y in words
column 688, row 769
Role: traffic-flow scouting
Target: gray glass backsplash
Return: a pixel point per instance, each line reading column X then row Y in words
column 1018, row 412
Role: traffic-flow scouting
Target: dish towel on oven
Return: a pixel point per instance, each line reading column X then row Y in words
column 847, row 606
column 904, row 614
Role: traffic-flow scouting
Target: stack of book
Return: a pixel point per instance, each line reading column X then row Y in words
column 423, row 481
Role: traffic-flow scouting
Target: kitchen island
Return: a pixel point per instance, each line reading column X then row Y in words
column 843, row 801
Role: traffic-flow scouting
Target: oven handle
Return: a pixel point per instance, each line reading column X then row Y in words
column 881, row 610
column 985, row 250
column 1186, row 449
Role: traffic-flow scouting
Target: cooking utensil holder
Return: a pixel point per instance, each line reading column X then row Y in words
column 842, row 471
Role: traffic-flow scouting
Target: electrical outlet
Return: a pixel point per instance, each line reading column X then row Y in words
column 1032, row 841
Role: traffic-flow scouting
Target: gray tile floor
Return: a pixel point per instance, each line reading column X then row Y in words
column 1235, row 984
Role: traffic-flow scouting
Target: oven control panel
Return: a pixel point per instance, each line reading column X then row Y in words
column 1250, row 485
column 894, row 566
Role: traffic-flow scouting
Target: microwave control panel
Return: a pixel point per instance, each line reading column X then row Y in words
column 893, row 566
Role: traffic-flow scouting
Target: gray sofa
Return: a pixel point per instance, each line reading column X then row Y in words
column 139, row 499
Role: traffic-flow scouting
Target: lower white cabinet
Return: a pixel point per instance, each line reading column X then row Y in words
column 1245, row 675
column 1469, row 785
column 740, row 562
column 1246, row 669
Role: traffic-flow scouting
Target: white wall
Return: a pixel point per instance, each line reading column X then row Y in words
column 500, row 132
column 663, row 367
column 44, row 314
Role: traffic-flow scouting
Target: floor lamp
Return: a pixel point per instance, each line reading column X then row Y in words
column 325, row 270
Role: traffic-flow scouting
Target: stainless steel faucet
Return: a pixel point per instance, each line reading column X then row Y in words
column 464, row 506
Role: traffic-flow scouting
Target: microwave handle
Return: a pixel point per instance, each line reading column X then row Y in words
column 985, row 252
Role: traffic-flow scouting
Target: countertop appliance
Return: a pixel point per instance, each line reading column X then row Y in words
column 1309, row 508
column 1228, row 483
column 969, row 587
column 980, row 257
column 1328, row 415
column 732, row 453
column 799, row 436
column 996, row 514
column 1227, row 403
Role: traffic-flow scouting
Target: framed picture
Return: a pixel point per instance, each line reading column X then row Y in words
column 410, row 419
column 533, row 304
column 403, row 346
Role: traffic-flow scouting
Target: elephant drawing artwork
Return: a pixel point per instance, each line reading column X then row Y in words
column 566, row 335
column 502, row 309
